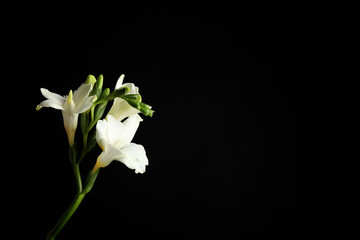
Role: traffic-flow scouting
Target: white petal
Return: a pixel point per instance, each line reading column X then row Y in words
column 115, row 131
column 81, row 93
column 119, row 82
column 85, row 106
column 107, row 156
column 70, row 124
column 101, row 133
column 52, row 96
column 130, row 127
column 134, row 157
column 54, row 100
column 121, row 109
column 81, row 98
column 49, row 103
column 132, row 87
column 123, row 135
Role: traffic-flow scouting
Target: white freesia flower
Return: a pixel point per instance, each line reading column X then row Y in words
column 121, row 109
column 71, row 106
column 114, row 138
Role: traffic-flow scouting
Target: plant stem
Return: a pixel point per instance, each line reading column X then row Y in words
column 77, row 177
column 67, row 215
column 74, row 205
column 85, row 137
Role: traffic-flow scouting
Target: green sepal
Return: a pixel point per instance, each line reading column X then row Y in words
column 90, row 180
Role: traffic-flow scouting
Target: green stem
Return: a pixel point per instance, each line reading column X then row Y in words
column 67, row 215
column 85, row 137
column 74, row 205
column 77, row 177
column 92, row 112
column 91, row 125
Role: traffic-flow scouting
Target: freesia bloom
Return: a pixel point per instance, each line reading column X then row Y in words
column 121, row 109
column 114, row 138
column 71, row 106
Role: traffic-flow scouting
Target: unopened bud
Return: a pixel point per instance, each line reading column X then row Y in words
column 90, row 80
column 146, row 109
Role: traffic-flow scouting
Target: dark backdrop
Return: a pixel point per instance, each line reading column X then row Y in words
column 253, row 127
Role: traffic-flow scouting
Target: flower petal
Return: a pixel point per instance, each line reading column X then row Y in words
column 70, row 124
column 121, row 109
column 52, row 96
column 107, row 156
column 119, row 82
column 130, row 127
column 115, row 131
column 101, row 133
column 81, row 98
column 49, row 103
column 85, row 106
column 54, row 100
column 133, row 89
column 134, row 157
column 120, row 134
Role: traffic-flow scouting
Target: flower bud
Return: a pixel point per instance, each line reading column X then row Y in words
column 146, row 109
column 133, row 100
column 90, row 80
column 100, row 108
column 98, row 86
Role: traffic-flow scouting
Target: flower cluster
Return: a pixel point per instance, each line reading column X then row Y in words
column 115, row 132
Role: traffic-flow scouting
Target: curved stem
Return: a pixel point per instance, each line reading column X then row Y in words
column 74, row 205
column 67, row 215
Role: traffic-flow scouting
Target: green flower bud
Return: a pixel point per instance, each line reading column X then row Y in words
column 100, row 80
column 90, row 80
column 133, row 100
column 146, row 109
column 100, row 108
column 105, row 93
column 98, row 86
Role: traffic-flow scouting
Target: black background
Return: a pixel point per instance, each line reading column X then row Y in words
column 254, row 125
